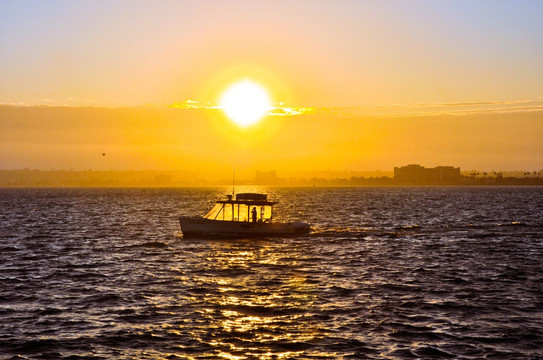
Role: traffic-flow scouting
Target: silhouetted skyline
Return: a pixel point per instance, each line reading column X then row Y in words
column 90, row 178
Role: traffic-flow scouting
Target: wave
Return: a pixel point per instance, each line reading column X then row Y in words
column 151, row 245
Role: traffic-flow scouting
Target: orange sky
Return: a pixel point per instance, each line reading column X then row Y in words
column 504, row 137
column 388, row 83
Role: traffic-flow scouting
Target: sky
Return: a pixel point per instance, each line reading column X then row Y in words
column 385, row 83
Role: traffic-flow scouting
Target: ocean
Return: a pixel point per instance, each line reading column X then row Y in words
column 387, row 273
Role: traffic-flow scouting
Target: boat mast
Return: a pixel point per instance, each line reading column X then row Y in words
column 234, row 181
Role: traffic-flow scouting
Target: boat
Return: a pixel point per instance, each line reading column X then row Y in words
column 248, row 215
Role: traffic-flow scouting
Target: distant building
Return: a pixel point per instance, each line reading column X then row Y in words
column 266, row 178
column 415, row 173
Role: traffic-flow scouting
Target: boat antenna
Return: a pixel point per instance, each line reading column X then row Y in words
column 234, row 181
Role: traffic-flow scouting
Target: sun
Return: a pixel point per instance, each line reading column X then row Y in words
column 245, row 102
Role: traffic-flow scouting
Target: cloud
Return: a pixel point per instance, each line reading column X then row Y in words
column 193, row 104
column 275, row 111
column 421, row 109
column 392, row 110
column 290, row 111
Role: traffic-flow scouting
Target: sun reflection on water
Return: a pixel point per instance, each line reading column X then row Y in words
column 254, row 305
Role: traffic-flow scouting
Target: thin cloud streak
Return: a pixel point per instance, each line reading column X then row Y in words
column 274, row 111
column 407, row 110
column 394, row 110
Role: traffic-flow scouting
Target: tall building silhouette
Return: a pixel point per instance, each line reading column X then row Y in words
column 419, row 174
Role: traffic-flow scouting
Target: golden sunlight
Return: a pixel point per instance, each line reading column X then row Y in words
column 245, row 102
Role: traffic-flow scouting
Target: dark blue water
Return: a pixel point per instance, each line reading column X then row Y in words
column 395, row 273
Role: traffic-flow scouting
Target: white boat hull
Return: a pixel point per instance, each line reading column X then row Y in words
column 200, row 227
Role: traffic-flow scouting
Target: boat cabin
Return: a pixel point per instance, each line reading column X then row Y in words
column 247, row 207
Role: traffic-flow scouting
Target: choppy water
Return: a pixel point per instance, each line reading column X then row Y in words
column 393, row 273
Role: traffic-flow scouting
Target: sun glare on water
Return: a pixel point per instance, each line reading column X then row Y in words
column 245, row 102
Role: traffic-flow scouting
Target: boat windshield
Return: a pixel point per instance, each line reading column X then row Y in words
column 240, row 212
column 212, row 214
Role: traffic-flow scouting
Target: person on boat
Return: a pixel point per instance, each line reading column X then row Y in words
column 253, row 213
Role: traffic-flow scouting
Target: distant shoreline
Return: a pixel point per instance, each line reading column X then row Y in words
column 171, row 179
